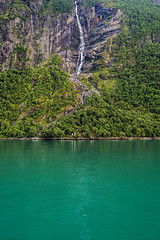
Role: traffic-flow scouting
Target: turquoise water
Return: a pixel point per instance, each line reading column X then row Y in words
column 84, row 190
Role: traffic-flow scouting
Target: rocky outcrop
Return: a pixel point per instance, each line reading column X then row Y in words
column 28, row 37
column 100, row 23
column 39, row 37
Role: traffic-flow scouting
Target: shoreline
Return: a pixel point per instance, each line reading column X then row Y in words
column 92, row 138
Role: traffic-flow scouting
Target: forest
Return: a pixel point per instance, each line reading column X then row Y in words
column 42, row 102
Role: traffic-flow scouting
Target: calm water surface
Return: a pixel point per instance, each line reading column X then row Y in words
column 84, row 190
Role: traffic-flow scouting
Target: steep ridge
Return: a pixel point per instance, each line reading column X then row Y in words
column 28, row 38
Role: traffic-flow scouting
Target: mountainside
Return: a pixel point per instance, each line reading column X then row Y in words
column 30, row 37
column 117, row 93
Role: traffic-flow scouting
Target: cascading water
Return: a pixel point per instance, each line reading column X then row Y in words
column 82, row 43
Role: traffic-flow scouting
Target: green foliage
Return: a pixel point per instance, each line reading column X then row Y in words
column 100, row 119
column 130, row 89
column 36, row 102
column 30, row 98
column 19, row 48
column 61, row 6
column 84, row 80
column 142, row 16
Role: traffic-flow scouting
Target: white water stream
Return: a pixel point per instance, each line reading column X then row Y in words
column 82, row 43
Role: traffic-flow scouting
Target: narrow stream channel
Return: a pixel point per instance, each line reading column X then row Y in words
column 82, row 43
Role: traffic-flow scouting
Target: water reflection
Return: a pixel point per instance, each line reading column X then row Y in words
column 79, row 190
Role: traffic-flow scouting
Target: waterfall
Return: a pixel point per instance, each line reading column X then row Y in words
column 82, row 43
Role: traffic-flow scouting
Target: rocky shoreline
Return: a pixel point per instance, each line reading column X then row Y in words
column 92, row 138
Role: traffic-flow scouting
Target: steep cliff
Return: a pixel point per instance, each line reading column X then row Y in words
column 30, row 36
column 100, row 23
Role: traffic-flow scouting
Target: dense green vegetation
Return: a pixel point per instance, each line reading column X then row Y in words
column 37, row 102
column 60, row 6
column 130, row 89
column 31, row 98
column 97, row 118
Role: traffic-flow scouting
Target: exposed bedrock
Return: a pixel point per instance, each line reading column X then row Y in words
column 27, row 38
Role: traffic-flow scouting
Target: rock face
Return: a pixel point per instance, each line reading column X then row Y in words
column 28, row 37
column 100, row 24
column 32, row 38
